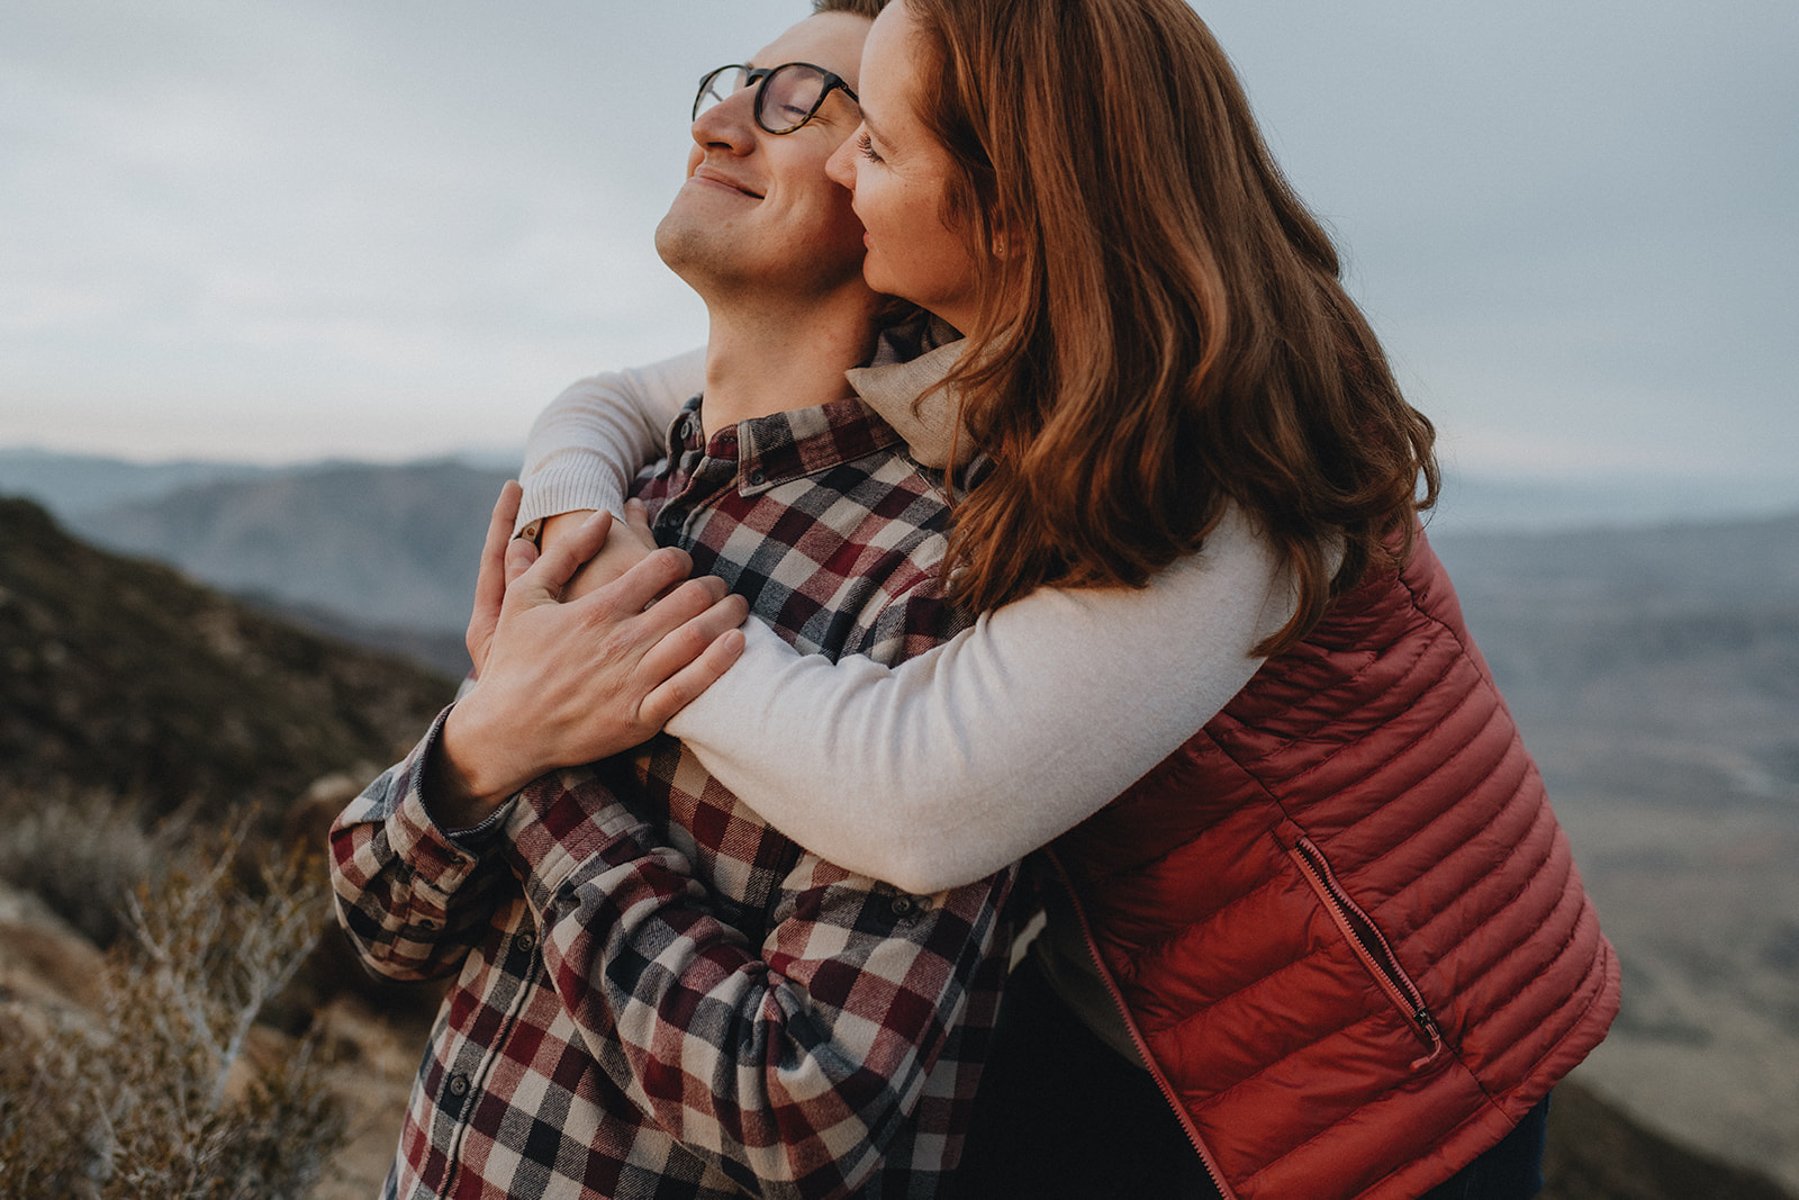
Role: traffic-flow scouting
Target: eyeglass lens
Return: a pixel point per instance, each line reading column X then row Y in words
column 789, row 94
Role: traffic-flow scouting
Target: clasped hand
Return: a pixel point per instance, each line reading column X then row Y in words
column 571, row 670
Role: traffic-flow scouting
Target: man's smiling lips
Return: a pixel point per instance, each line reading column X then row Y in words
column 716, row 178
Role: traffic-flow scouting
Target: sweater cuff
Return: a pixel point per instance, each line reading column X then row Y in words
column 556, row 490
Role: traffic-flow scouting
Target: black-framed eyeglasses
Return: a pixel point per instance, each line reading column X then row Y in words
column 789, row 96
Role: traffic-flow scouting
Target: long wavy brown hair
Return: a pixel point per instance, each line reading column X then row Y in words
column 1163, row 329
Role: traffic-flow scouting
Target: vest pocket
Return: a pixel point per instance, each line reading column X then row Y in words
column 1370, row 945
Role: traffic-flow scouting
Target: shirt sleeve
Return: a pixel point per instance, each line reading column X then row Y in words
column 938, row 771
column 789, row 1063
column 412, row 897
column 588, row 445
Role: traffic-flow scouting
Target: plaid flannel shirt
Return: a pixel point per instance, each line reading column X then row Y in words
column 656, row 993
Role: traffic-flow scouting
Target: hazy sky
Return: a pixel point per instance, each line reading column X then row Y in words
column 387, row 228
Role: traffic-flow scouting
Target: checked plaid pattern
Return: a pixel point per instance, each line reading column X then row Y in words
column 656, row 994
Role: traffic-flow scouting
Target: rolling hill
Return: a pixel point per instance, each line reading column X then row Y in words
column 124, row 676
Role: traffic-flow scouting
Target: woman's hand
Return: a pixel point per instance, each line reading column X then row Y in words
column 626, row 546
column 561, row 681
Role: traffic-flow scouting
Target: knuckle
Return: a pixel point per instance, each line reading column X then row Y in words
column 617, row 645
column 691, row 642
column 603, row 609
column 677, row 694
column 690, row 599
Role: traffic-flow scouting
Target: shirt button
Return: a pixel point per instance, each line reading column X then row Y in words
column 459, row 1085
column 757, row 478
column 427, row 923
column 903, row 906
column 525, row 943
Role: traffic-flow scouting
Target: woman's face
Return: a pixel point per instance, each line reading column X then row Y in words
column 899, row 174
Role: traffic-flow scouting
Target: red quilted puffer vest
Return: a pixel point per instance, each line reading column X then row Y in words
column 1342, row 919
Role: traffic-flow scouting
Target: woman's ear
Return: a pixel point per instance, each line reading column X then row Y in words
column 996, row 235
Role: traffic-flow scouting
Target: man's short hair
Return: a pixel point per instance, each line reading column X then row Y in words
column 861, row 8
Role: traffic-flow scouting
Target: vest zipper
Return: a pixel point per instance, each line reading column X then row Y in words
column 1370, row 945
column 1130, row 1024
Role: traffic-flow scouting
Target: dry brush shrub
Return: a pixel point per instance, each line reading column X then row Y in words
column 157, row 1098
column 84, row 853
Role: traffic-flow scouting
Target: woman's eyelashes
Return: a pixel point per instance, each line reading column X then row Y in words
column 865, row 147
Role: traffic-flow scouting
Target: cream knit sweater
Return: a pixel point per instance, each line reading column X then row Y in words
column 939, row 771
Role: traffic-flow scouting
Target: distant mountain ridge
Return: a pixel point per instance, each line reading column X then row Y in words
column 1493, row 504
column 1692, row 561
column 377, row 545
column 71, row 484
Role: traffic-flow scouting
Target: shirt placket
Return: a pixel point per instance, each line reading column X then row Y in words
column 703, row 471
column 510, row 978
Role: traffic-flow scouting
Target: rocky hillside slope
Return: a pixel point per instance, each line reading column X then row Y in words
column 124, row 676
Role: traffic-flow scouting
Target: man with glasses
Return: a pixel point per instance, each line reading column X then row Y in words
column 657, row 994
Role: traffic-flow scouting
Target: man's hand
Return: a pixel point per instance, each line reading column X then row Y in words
column 560, row 680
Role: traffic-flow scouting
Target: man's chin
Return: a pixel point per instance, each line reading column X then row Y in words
column 684, row 236
column 717, row 258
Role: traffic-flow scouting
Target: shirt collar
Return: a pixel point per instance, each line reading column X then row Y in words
column 910, row 360
column 785, row 446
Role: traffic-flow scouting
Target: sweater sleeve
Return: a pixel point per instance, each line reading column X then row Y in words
column 939, row 771
column 942, row 770
column 588, row 445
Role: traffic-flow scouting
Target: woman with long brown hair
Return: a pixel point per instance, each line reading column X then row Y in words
column 1330, row 941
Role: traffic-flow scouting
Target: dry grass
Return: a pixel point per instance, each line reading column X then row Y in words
column 84, row 853
column 157, row 1096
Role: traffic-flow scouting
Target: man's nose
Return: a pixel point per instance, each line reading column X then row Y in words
column 730, row 124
